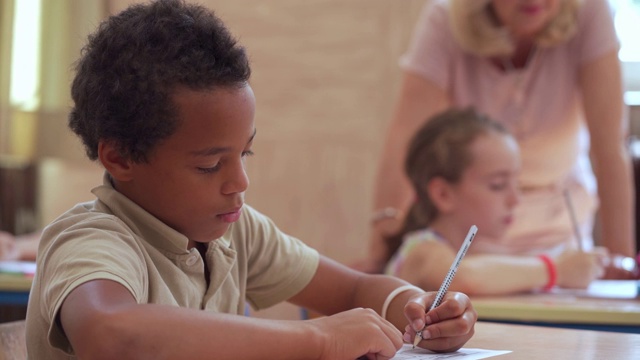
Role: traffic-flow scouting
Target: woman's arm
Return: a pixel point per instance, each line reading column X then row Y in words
column 600, row 82
column 419, row 99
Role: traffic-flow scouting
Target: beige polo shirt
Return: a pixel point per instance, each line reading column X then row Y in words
column 113, row 238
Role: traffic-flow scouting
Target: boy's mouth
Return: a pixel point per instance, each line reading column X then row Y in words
column 231, row 216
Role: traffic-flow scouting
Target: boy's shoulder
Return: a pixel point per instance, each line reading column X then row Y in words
column 90, row 215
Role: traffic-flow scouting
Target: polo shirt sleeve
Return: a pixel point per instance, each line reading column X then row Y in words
column 86, row 250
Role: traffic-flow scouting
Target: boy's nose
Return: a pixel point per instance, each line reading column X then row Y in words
column 237, row 182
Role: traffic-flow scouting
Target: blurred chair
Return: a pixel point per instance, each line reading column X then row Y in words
column 13, row 344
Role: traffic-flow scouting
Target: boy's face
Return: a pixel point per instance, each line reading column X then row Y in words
column 488, row 191
column 195, row 180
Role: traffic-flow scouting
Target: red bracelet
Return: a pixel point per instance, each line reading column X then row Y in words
column 551, row 269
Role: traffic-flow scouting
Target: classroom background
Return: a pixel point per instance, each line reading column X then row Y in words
column 325, row 76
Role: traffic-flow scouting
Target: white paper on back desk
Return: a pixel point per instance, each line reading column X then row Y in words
column 604, row 289
column 465, row 353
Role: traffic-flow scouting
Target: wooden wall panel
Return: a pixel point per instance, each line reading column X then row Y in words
column 325, row 76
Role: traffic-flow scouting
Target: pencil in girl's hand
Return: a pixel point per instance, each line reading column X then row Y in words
column 574, row 220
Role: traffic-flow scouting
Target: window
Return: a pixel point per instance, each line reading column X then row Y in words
column 25, row 56
column 627, row 23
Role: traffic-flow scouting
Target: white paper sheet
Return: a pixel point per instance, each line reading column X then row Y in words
column 465, row 353
column 604, row 289
column 18, row 267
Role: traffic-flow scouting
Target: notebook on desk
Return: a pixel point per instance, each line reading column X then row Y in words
column 16, row 276
column 604, row 289
column 24, row 268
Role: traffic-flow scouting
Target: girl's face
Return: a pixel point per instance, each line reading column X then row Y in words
column 525, row 18
column 488, row 192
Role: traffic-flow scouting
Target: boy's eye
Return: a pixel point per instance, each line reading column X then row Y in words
column 209, row 170
column 216, row 167
column 498, row 186
column 247, row 153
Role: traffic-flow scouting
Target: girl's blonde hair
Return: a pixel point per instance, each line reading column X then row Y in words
column 477, row 32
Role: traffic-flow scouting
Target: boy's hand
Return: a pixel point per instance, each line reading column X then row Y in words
column 356, row 333
column 449, row 326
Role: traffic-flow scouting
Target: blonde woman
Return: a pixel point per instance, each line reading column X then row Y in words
column 549, row 72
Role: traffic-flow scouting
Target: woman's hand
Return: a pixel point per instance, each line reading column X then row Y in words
column 619, row 267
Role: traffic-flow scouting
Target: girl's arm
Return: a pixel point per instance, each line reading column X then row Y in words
column 485, row 274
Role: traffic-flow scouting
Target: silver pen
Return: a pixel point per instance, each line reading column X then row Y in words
column 447, row 280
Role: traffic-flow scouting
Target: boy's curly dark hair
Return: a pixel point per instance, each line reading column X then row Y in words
column 134, row 62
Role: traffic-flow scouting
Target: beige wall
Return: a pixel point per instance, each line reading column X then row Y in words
column 325, row 76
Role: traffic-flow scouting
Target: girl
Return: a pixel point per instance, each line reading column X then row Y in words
column 463, row 168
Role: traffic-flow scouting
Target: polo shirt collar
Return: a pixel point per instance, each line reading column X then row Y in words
column 141, row 222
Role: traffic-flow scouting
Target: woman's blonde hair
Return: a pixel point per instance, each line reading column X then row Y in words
column 476, row 31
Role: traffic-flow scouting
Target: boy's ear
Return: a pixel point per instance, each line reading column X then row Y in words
column 117, row 165
column 441, row 194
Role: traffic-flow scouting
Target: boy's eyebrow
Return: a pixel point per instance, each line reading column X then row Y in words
column 217, row 150
column 500, row 174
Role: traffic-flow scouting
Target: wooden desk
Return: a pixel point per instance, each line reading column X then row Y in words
column 14, row 289
column 564, row 310
column 14, row 296
column 534, row 342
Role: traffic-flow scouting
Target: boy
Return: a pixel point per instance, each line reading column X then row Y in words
column 162, row 100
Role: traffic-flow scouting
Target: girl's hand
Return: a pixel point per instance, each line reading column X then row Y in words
column 576, row 269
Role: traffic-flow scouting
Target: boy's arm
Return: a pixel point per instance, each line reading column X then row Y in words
column 336, row 288
column 103, row 321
